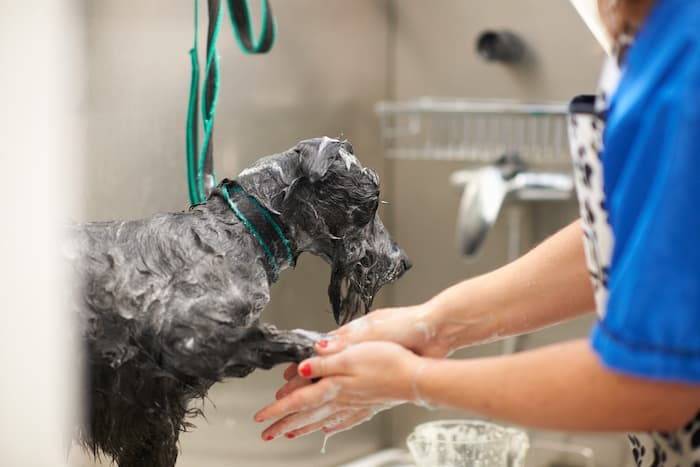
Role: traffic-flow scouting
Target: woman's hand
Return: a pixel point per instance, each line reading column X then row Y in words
column 415, row 328
column 355, row 384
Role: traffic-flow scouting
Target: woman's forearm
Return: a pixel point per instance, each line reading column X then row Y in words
column 547, row 285
column 560, row 387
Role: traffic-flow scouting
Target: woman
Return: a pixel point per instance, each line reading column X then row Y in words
column 640, row 371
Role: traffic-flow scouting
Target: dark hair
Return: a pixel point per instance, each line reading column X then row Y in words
column 624, row 17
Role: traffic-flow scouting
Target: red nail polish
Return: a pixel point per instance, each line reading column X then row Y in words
column 323, row 344
column 269, row 438
column 290, row 435
column 305, row 370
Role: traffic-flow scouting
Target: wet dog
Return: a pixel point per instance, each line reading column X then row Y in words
column 171, row 304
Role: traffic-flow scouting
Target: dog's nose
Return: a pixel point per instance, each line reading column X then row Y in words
column 405, row 262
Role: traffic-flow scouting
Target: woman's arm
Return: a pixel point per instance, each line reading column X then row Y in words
column 549, row 284
column 560, row 387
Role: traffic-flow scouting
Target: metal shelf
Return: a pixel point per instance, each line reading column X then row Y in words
column 474, row 130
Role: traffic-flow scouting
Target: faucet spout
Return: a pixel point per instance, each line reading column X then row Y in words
column 486, row 189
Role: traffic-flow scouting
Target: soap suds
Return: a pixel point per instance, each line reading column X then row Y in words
column 326, row 436
column 426, row 330
column 334, row 423
column 418, row 398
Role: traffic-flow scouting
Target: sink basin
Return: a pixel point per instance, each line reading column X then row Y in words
column 384, row 458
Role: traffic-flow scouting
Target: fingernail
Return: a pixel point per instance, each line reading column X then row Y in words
column 290, row 435
column 269, row 438
column 323, row 344
column 305, row 370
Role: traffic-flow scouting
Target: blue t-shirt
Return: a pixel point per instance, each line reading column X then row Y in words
column 651, row 162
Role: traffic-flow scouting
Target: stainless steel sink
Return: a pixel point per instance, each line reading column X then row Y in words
column 384, row 458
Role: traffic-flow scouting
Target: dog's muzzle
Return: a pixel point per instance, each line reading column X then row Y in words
column 355, row 281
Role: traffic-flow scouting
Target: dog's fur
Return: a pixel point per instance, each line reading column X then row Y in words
column 170, row 304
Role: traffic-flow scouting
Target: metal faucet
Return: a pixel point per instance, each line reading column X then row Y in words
column 487, row 188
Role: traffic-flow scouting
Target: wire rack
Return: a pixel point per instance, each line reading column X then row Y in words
column 474, row 131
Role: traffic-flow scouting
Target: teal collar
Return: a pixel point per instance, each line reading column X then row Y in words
column 262, row 225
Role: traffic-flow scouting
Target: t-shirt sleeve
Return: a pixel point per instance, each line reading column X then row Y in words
column 651, row 325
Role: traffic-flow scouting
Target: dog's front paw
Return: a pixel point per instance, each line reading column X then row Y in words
column 311, row 336
column 275, row 346
column 305, row 342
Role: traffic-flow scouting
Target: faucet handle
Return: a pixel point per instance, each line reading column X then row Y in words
column 486, row 188
column 484, row 192
column 542, row 186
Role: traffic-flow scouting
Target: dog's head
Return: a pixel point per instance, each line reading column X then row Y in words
column 351, row 237
column 330, row 203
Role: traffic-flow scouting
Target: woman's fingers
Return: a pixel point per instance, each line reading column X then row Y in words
column 359, row 330
column 292, row 385
column 328, row 347
column 333, row 420
column 302, row 423
column 298, row 420
column 318, row 367
column 305, row 398
column 351, row 333
column 361, row 416
column 290, row 372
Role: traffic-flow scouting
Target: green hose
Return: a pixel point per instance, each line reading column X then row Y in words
column 192, row 120
column 208, row 114
column 240, row 20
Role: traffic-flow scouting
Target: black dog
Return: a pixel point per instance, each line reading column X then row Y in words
column 169, row 305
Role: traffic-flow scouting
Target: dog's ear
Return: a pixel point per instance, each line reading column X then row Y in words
column 318, row 154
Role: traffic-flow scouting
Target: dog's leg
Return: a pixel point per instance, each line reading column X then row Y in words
column 265, row 346
column 135, row 416
column 217, row 352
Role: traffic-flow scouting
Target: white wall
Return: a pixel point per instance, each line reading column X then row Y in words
column 40, row 85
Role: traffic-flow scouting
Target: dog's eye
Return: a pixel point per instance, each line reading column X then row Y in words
column 365, row 214
column 373, row 205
